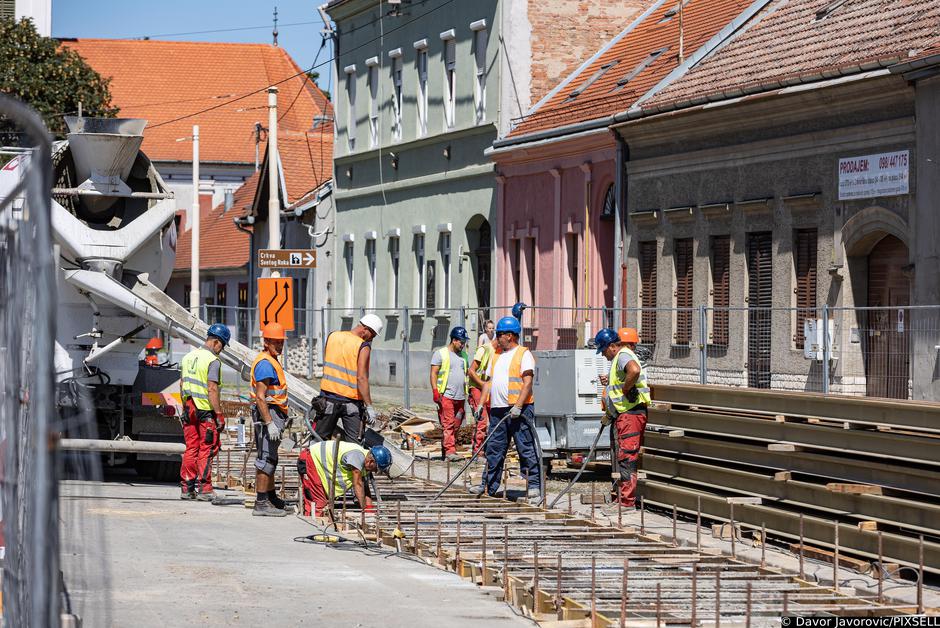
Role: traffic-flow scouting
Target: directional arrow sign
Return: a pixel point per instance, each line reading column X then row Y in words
column 276, row 302
column 287, row 258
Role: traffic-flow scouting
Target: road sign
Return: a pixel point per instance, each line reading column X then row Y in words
column 276, row 302
column 287, row 258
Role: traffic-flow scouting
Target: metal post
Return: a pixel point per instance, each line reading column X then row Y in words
column 827, row 358
column 405, row 358
column 274, row 203
column 703, row 346
column 194, row 266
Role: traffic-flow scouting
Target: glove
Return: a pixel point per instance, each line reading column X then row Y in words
column 606, row 419
column 437, row 396
column 604, row 380
column 274, row 433
column 220, row 423
column 515, row 411
column 633, row 395
column 477, row 413
column 371, row 416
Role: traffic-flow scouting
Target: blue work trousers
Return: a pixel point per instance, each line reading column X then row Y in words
column 518, row 430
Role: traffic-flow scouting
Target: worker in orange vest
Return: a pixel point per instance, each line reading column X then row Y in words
column 345, row 399
column 269, row 413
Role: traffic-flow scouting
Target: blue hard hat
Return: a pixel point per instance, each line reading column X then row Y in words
column 510, row 324
column 382, row 457
column 459, row 333
column 604, row 338
column 221, row 332
column 518, row 309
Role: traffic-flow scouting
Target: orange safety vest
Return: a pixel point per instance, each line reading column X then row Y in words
column 273, row 396
column 340, row 362
column 515, row 378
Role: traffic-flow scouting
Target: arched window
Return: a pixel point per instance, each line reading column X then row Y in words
column 610, row 204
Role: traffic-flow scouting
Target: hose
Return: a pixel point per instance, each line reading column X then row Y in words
column 587, row 459
column 490, row 432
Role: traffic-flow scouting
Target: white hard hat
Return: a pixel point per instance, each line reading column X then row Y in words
column 373, row 322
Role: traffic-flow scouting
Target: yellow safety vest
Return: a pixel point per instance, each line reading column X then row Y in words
column 195, row 376
column 444, row 372
column 515, row 378
column 340, row 362
column 614, row 390
column 272, row 396
column 322, row 455
column 483, row 357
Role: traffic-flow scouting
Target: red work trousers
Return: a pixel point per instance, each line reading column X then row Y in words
column 202, row 444
column 314, row 495
column 450, row 412
column 479, row 434
column 629, row 428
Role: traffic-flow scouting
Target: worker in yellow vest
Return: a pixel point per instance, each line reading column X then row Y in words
column 200, row 374
column 478, row 378
column 449, row 383
column 349, row 468
column 345, row 399
column 626, row 398
column 269, row 412
column 512, row 411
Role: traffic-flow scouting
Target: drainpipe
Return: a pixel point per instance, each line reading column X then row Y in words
column 620, row 193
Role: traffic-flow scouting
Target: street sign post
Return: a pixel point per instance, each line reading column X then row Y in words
column 287, row 258
column 276, row 302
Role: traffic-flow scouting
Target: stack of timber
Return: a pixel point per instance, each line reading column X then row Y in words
column 857, row 476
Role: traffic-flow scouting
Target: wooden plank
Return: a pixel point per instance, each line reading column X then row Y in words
column 789, row 447
column 782, row 476
column 857, row 489
column 870, row 526
column 819, row 553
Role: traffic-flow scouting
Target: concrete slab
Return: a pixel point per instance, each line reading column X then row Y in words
column 135, row 555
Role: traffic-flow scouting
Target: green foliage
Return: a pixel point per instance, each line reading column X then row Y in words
column 49, row 77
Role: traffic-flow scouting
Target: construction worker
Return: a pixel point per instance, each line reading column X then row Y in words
column 317, row 464
column 200, row 374
column 626, row 398
column 269, row 413
column 512, row 410
column 517, row 311
column 345, row 397
column 478, row 378
column 153, row 345
column 449, row 383
column 488, row 336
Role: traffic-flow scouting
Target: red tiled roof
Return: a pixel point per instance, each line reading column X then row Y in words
column 633, row 57
column 307, row 159
column 221, row 244
column 163, row 80
column 791, row 41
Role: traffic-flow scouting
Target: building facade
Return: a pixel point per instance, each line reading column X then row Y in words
column 422, row 92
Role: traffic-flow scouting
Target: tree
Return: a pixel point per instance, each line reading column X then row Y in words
column 49, row 77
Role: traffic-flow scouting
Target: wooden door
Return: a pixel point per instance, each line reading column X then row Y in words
column 887, row 346
column 759, row 301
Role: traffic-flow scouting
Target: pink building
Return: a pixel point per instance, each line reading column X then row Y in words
column 558, row 224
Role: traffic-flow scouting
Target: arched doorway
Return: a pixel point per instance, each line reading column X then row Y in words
column 887, row 345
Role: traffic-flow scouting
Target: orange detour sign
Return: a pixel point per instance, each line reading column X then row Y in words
column 276, row 301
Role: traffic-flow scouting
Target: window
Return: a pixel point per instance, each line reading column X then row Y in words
column 479, row 87
column 187, row 290
column 396, row 97
column 351, row 107
column 242, row 320
column 590, row 81
column 529, row 248
column 373, row 105
column 422, row 67
column 394, row 244
column 445, row 267
column 683, row 296
column 721, row 289
column 348, row 259
column 571, row 246
column 610, row 204
column 8, row 9
column 430, row 292
column 804, row 262
column 647, row 263
column 419, row 267
column 517, row 268
column 759, row 302
column 370, row 264
column 300, row 306
column 450, row 83
column 221, row 302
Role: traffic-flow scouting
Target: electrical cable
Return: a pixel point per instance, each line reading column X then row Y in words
column 584, row 463
column 490, row 432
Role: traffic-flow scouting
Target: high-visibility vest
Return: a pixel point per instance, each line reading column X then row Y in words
column 614, row 391
column 195, row 376
column 275, row 396
column 340, row 362
column 515, row 378
column 483, row 357
column 322, row 455
column 444, row 372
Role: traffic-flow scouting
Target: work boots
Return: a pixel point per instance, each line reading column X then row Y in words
column 264, row 508
column 279, row 503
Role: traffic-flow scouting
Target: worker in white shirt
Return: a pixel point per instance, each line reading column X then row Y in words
column 488, row 335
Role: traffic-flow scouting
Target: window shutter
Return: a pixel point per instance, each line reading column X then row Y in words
column 760, row 295
column 647, row 253
column 721, row 289
column 804, row 258
column 683, row 260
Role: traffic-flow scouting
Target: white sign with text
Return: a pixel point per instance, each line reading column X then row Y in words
column 870, row 176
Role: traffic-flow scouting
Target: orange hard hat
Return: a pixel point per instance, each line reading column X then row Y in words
column 155, row 343
column 628, row 334
column 274, row 331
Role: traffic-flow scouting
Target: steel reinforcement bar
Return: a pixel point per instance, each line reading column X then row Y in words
column 559, row 566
